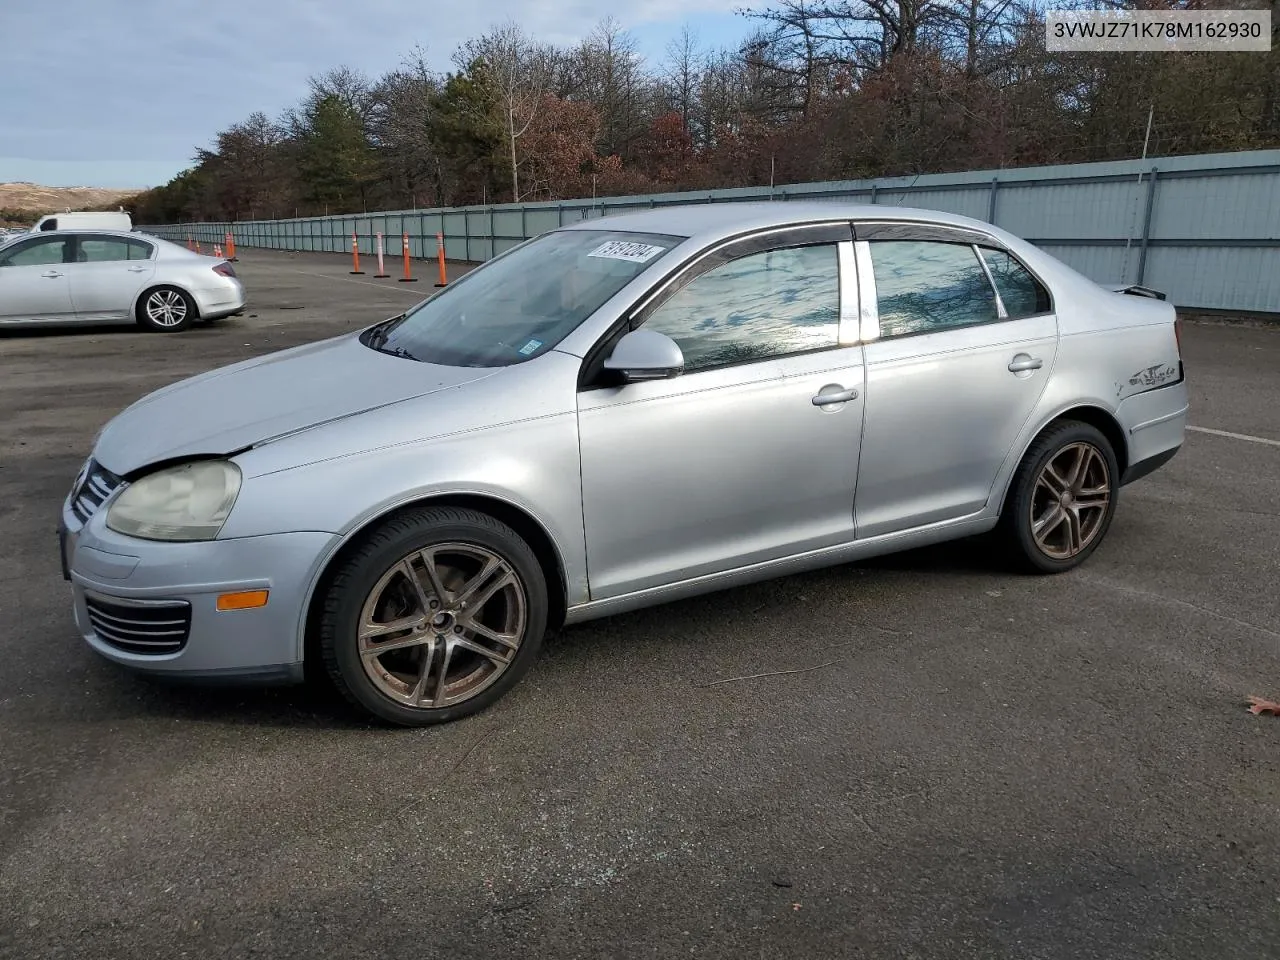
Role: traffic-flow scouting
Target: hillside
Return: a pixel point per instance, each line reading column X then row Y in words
column 36, row 199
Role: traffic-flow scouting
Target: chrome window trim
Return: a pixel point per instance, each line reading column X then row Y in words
column 868, row 305
column 850, row 312
column 1001, row 312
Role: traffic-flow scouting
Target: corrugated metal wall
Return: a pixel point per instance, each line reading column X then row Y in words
column 1204, row 229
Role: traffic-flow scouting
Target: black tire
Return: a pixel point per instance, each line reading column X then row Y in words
column 176, row 296
column 1060, row 440
column 379, row 554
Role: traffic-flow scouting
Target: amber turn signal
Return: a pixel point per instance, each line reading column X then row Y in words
column 244, row 600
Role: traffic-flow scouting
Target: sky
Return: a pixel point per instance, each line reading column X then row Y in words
column 120, row 93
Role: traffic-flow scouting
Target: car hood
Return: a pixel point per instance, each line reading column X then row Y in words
column 231, row 408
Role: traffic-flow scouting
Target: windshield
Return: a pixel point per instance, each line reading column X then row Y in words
column 522, row 304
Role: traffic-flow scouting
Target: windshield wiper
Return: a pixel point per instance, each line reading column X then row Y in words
column 379, row 332
column 397, row 352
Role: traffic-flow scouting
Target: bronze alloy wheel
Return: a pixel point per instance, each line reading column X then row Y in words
column 442, row 625
column 1070, row 501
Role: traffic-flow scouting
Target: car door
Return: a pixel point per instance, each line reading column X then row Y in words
column 955, row 366
column 33, row 280
column 734, row 461
column 108, row 274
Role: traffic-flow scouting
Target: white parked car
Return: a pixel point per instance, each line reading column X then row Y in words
column 108, row 275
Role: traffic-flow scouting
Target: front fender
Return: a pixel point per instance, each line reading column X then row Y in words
column 532, row 465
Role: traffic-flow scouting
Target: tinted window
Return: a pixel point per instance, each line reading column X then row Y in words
column 1020, row 292
column 763, row 305
column 926, row 286
column 520, row 305
column 49, row 224
column 36, row 253
column 106, row 249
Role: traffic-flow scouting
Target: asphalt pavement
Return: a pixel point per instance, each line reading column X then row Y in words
column 971, row 764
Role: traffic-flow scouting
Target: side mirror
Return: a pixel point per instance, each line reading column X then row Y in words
column 646, row 355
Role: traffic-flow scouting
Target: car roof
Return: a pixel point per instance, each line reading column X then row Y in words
column 103, row 231
column 711, row 221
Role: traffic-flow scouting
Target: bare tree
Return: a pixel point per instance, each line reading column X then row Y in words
column 402, row 121
column 611, row 78
column 347, row 84
column 682, row 72
column 519, row 72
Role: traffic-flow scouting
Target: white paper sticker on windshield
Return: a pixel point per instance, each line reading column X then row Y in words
column 626, row 250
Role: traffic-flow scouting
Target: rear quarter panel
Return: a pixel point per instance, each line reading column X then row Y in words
column 1117, row 353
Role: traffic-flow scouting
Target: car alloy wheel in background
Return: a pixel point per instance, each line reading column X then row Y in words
column 166, row 309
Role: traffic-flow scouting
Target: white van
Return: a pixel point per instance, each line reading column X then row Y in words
column 84, row 220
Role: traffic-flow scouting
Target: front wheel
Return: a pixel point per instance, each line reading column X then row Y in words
column 1062, row 498
column 434, row 616
column 166, row 310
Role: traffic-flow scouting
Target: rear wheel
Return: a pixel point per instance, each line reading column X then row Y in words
column 1062, row 498
column 435, row 616
column 166, row 310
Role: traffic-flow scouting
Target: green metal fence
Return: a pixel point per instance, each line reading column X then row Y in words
column 1205, row 229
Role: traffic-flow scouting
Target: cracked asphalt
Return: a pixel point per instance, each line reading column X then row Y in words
column 972, row 764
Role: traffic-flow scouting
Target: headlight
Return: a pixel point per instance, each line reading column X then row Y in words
column 189, row 502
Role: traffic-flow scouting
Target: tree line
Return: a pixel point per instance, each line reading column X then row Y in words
column 820, row 90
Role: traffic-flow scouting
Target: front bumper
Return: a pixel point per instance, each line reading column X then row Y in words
column 265, row 643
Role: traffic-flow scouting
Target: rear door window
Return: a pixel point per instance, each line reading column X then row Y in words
column 91, row 249
column 925, row 286
column 98, row 249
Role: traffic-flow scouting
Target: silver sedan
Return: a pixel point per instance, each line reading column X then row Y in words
column 613, row 415
column 101, row 276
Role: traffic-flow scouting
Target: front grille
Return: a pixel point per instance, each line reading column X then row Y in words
column 98, row 484
column 154, row 627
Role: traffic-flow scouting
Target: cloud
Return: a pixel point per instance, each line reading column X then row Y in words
column 155, row 79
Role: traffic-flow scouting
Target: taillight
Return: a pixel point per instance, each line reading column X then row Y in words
column 1177, row 334
column 225, row 269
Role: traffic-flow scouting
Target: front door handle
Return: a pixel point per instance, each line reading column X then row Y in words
column 1024, row 362
column 834, row 394
column 51, row 274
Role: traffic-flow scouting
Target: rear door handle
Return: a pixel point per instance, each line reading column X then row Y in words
column 833, row 396
column 51, row 274
column 137, row 269
column 1024, row 362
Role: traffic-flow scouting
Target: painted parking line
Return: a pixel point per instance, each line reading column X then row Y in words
column 367, row 283
column 1236, row 436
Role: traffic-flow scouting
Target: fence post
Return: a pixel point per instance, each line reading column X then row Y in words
column 524, row 224
column 559, row 214
column 1146, row 226
column 991, row 202
column 466, row 234
column 873, row 193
